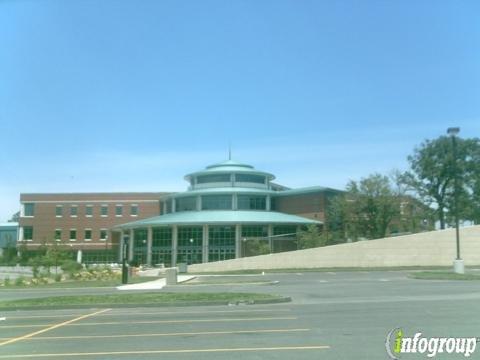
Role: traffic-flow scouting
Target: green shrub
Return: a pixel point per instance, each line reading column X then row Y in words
column 6, row 281
column 20, row 281
column 71, row 267
column 58, row 277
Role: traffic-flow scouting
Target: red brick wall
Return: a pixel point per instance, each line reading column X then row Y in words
column 45, row 221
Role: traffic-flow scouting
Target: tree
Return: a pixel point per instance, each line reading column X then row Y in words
column 432, row 176
column 311, row 237
column 369, row 208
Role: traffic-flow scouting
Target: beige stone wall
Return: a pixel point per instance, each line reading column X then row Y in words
column 435, row 248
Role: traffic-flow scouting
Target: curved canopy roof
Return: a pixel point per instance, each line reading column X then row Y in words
column 229, row 166
column 219, row 217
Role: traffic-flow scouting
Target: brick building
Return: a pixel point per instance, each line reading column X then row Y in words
column 81, row 221
column 95, row 223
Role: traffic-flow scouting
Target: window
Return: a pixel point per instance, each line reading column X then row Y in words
column 89, row 210
column 88, row 235
column 59, row 211
column 162, row 237
column 254, row 231
column 221, row 243
column 104, row 210
column 217, row 202
column 134, row 210
column 103, row 234
column 190, row 236
column 58, row 235
column 73, row 235
column 221, row 236
column 186, row 203
column 140, row 238
column 250, row 178
column 248, row 202
column 118, row 210
column 204, row 179
column 74, row 211
column 28, row 233
column 28, row 209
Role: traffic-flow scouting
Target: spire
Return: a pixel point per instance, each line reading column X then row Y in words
column 229, row 151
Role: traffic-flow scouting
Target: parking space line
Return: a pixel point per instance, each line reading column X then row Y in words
column 157, row 322
column 227, row 332
column 185, row 321
column 130, row 313
column 173, row 351
column 19, row 338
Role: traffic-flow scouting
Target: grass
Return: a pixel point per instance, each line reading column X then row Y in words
column 442, row 275
column 82, row 284
column 228, row 280
column 325, row 269
column 157, row 298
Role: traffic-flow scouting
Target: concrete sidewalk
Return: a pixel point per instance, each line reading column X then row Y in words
column 153, row 285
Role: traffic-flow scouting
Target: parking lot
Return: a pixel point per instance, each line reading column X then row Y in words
column 332, row 316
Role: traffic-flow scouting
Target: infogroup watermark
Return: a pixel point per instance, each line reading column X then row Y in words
column 397, row 344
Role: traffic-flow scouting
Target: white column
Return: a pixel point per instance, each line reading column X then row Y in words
column 270, row 239
column 205, row 244
column 269, row 206
column 121, row 246
column 130, row 246
column 174, row 205
column 235, row 202
column 174, row 245
column 79, row 256
column 149, row 245
column 199, row 203
column 238, row 241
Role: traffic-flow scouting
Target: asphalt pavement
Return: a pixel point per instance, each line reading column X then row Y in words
column 333, row 315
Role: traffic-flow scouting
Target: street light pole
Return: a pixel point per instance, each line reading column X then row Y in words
column 458, row 265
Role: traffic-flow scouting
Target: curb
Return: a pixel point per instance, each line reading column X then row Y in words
column 151, row 305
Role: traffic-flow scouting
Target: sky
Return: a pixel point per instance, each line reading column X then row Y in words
column 126, row 95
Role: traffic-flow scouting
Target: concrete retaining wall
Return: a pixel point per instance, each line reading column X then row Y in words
column 13, row 272
column 435, row 248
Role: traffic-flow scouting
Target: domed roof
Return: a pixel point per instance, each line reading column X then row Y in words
column 229, row 166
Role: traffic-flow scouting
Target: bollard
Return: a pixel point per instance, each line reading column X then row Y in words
column 171, row 276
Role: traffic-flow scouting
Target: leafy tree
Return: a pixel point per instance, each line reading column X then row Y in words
column 252, row 247
column 432, row 177
column 372, row 205
column 311, row 237
column 372, row 208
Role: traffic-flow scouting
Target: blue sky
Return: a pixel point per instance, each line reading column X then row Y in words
column 123, row 95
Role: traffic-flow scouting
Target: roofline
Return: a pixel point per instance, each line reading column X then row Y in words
column 100, row 193
column 140, row 223
column 306, row 190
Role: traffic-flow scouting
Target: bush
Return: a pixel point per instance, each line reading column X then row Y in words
column 71, row 267
column 6, row 281
column 20, row 281
column 134, row 263
column 58, row 277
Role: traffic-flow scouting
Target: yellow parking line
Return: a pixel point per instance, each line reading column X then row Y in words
column 161, row 322
column 51, row 327
column 147, row 352
column 116, row 313
column 166, row 334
